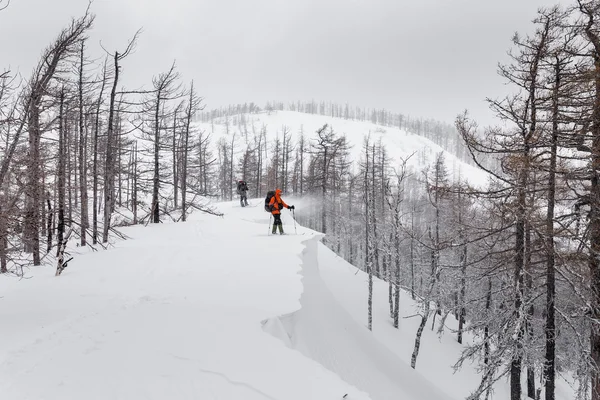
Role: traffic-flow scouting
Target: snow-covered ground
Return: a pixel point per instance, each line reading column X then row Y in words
column 215, row 308
column 173, row 313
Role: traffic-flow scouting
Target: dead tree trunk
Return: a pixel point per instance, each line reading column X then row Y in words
column 61, row 173
column 594, row 195
column 550, row 327
column 134, row 184
column 164, row 89
column 463, row 273
column 3, row 240
column 49, row 223
column 176, row 155
column 193, row 104
column 109, row 169
column 31, row 227
column 109, row 164
column 95, row 161
column 62, row 247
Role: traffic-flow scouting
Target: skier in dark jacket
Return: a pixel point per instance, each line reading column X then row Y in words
column 276, row 204
column 242, row 188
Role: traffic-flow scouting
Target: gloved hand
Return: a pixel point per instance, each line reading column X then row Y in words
column 291, row 207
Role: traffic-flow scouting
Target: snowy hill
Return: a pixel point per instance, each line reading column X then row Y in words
column 215, row 308
column 398, row 142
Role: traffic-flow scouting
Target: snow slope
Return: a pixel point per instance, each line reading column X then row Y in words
column 437, row 354
column 398, row 142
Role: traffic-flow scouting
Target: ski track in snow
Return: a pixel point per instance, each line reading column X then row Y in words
column 236, row 383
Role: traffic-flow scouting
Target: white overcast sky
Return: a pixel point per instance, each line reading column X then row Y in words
column 429, row 58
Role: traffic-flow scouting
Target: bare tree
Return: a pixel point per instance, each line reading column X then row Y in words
column 62, row 161
column 96, row 151
column 369, row 208
column 175, row 154
column 395, row 198
column 326, row 149
column 166, row 88
column 82, row 149
column 193, row 105
column 286, row 151
column 38, row 86
column 109, row 169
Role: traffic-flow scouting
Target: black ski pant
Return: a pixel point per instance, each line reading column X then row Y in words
column 277, row 223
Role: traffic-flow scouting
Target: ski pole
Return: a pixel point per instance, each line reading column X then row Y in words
column 269, row 231
column 294, row 216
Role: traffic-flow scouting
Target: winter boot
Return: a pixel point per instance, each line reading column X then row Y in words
column 281, row 229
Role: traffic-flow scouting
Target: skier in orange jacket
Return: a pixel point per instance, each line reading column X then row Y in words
column 276, row 204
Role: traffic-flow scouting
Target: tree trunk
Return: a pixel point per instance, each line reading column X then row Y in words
column 372, row 206
column 231, row 167
column 62, row 135
column 258, row 165
column 109, row 167
column 119, row 172
column 32, row 215
column 463, row 289
column 516, row 362
column 486, row 329
column 175, row 160
column 70, row 168
column 412, row 253
column 156, row 177
column 424, row 317
column 49, row 224
column 3, row 240
column 530, row 310
column 397, row 269
column 368, row 240
column 550, row 328
column 134, row 184
column 95, row 162
column 324, row 193
column 388, row 275
column 301, row 164
column 188, row 122
column 594, row 234
column 82, row 157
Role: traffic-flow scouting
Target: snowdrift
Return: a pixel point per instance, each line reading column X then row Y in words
column 325, row 332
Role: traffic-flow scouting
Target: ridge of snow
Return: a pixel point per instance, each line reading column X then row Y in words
column 324, row 331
